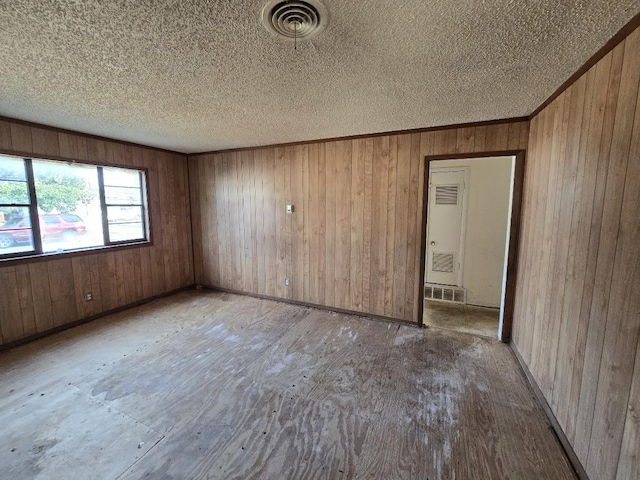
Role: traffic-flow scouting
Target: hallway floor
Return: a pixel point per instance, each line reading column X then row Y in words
column 462, row 318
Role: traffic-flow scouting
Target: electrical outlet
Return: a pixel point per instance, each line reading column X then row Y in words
column 286, row 282
column 289, row 208
column 88, row 296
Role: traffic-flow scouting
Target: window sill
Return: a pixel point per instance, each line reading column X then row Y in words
column 42, row 257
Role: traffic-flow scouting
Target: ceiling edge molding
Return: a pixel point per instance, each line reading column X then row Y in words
column 86, row 135
column 368, row 135
column 623, row 33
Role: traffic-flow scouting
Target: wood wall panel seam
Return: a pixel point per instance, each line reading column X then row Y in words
column 415, row 234
column 566, row 353
column 590, row 234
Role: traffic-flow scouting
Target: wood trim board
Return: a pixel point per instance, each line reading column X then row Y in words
column 82, row 321
column 484, row 123
column 312, row 305
column 595, row 58
column 85, row 135
column 562, row 438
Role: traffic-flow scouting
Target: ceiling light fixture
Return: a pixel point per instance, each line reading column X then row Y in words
column 295, row 20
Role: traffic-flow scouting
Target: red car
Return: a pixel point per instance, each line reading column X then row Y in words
column 65, row 226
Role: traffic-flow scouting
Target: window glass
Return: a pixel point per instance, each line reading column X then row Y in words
column 16, row 235
column 13, row 181
column 125, row 223
column 123, row 195
column 12, row 168
column 69, row 217
column 14, row 192
column 119, row 177
column 50, row 219
column 76, row 206
column 125, row 210
column 68, row 189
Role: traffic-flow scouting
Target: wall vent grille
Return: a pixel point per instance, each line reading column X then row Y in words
column 442, row 262
column 445, row 293
column 446, row 194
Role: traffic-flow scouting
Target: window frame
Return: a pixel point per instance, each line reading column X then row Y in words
column 32, row 207
column 144, row 206
column 37, row 251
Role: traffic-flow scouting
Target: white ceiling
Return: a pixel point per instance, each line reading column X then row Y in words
column 197, row 75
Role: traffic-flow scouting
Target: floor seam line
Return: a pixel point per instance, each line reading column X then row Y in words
column 108, row 405
column 143, row 455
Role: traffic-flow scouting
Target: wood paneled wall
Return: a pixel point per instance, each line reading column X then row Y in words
column 354, row 239
column 42, row 295
column 577, row 311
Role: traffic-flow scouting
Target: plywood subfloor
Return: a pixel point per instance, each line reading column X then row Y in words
column 462, row 318
column 213, row 385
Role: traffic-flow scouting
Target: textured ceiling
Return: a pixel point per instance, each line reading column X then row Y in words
column 196, row 75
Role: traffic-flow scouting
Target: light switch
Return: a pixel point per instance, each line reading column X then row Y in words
column 289, row 208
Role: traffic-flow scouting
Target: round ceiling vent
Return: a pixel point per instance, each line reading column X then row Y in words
column 293, row 19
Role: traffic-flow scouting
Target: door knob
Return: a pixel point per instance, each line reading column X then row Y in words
column 432, row 243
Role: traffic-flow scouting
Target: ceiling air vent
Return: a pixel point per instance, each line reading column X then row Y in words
column 295, row 19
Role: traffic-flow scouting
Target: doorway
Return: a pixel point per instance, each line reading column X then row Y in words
column 471, row 213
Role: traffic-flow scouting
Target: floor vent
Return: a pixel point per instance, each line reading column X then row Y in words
column 445, row 293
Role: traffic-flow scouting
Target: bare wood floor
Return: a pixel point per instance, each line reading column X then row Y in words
column 212, row 385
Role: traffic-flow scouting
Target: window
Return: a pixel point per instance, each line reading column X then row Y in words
column 124, row 201
column 15, row 207
column 51, row 207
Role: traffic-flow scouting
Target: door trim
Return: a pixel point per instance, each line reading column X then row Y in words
column 514, row 233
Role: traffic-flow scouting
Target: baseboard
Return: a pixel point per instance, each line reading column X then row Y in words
column 313, row 305
column 82, row 321
column 568, row 449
